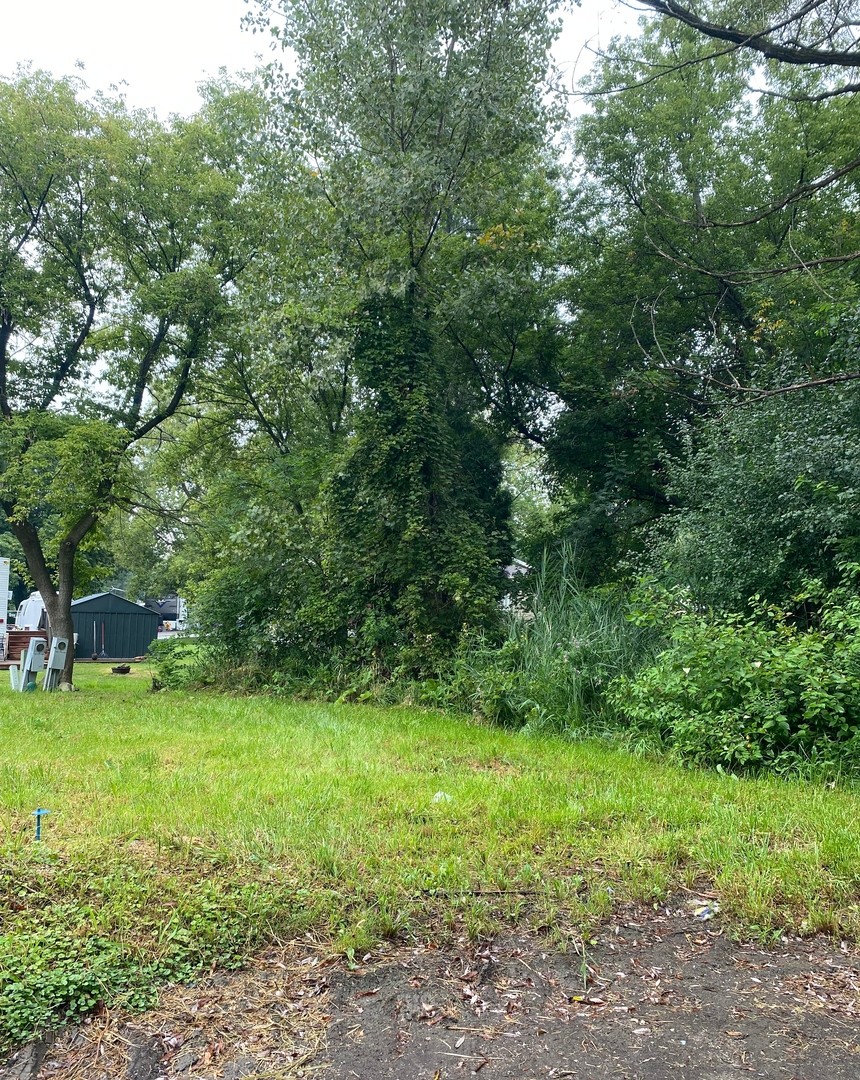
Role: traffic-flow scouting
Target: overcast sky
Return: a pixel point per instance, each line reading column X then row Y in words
column 156, row 51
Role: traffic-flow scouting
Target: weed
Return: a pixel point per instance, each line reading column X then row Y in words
column 550, row 672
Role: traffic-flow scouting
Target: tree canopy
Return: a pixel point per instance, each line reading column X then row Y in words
column 121, row 241
column 417, row 129
column 282, row 355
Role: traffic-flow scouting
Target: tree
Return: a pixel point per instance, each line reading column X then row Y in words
column 766, row 494
column 707, row 253
column 419, row 119
column 768, row 501
column 791, row 59
column 121, row 241
column 808, row 33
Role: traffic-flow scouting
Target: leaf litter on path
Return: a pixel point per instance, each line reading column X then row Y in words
column 656, row 992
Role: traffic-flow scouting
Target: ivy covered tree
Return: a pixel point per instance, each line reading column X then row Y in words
column 420, row 121
column 120, row 241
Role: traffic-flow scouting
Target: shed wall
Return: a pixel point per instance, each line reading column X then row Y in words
column 125, row 634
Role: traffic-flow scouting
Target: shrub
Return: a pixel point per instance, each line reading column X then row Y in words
column 768, row 496
column 749, row 690
column 174, row 661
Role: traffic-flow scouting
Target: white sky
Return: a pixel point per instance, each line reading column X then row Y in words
column 156, row 51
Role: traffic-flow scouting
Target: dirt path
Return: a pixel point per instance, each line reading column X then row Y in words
column 660, row 994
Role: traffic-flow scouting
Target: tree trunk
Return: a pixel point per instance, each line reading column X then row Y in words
column 57, row 601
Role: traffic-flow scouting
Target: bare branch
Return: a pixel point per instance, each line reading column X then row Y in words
column 794, row 196
column 741, row 277
column 846, row 88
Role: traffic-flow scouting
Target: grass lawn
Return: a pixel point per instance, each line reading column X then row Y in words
column 187, row 829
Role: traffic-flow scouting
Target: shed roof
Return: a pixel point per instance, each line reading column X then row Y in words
column 108, row 601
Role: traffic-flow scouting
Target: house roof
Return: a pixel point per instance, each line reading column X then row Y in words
column 168, row 606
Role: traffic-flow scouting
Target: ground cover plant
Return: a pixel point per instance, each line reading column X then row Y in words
column 187, row 830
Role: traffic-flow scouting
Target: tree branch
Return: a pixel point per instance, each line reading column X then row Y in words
column 7, row 325
column 759, row 40
column 144, row 369
column 794, row 196
column 171, row 407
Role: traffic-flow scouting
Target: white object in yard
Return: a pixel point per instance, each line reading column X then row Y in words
column 5, row 565
column 56, row 663
column 441, row 796
column 30, row 612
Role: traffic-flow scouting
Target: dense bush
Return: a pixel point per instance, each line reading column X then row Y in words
column 750, row 690
column 393, row 552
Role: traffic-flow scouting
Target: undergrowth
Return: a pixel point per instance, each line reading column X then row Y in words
column 559, row 652
column 117, row 933
column 649, row 669
column 752, row 691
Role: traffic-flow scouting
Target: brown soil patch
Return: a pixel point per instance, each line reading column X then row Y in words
column 496, row 766
column 661, row 993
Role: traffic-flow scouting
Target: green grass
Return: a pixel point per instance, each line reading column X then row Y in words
column 188, row 828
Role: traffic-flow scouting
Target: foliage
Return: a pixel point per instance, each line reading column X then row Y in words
column 741, row 182
column 561, row 646
column 768, row 496
column 173, row 659
column 709, row 239
column 753, row 690
column 422, row 120
column 820, row 35
column 52, row 975
column 417, row 531
column 403, row 108
column 115, row 280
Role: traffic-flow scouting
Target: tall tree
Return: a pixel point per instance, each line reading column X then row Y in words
column 418, row 118
column 120, row 240
column 807, row 33
column 712, row 239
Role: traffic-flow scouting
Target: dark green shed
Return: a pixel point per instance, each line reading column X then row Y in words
column 112, row 626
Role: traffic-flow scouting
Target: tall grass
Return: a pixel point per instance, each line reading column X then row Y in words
column 562, row 646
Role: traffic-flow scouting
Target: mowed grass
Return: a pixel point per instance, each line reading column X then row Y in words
column 185, row 829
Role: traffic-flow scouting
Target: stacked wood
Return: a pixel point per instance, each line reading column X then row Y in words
column 18, row 641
